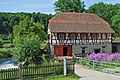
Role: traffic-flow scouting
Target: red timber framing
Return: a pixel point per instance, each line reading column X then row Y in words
column 62, row 50
column 101, row 38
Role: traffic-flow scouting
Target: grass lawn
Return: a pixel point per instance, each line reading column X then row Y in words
column 5, row 52
column 70, row 77
column 108, row 67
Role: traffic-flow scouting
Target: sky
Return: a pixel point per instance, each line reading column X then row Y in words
column 43, row 6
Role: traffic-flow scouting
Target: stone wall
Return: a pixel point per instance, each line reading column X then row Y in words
column 104, row 48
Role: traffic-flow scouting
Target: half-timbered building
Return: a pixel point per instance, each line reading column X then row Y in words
column 78, row 33
column 116, row 45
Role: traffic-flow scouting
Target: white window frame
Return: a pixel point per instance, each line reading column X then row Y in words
column 103, row 36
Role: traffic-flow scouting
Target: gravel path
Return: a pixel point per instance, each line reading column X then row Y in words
column 88, row 74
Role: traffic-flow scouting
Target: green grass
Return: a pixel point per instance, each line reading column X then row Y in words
column 100, row 66
column 69, row 77
column 5, row 49
column 7, row 45
column 5, row 52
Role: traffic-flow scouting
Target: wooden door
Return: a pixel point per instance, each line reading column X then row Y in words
column 63, row 50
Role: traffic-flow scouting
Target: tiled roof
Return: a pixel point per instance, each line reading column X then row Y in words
column 78, row 22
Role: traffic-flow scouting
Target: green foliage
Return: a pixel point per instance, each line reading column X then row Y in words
column 44, row 59
column 105, row 11
column 69, row 77
column 116, row 24
column 28, row 27
column 108, row 12
column 7, row 45
column 9, row 20
column 27, row 48
column 69, row 6
column 1, row 41
column 5, row 52
column 28, row 37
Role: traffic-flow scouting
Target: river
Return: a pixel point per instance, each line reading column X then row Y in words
column 8, row 63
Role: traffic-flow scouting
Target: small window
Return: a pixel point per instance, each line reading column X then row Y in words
column 94, row 36
column 72, row 36
column 84, row 36
column 103, row 36
column 61, row 36
column 83, row 50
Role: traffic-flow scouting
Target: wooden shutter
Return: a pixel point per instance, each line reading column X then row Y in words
column 58, row 35
column 64, row 36
column 81, row 36
column 48, row 36
column 101, row 36
column 86, row 36
column 106, row 35
column 96, row 36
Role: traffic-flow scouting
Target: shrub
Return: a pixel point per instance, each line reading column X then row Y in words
column 104, row 57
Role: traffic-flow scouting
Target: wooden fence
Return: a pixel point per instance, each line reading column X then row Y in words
column 34, row 71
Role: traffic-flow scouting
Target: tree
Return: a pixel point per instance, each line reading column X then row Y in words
column 27, row 48
column 69, row 6
column 28, row 38
column 116, row 24
column 103, row 10
column 5, row 28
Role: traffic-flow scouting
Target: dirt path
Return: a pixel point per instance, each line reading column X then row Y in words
column 88, row 74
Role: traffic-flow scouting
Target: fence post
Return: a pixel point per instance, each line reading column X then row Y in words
column 20, row 71
column 65, row 67
column 93, row 64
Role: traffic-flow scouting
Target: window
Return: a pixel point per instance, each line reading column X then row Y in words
column 72, row 36
column 83, row 50
column 61, row 36
column 93, row 36
column 103, row 36
column 84, row 36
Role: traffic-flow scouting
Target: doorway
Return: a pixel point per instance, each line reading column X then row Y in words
column 65, row 51
column 97, row 50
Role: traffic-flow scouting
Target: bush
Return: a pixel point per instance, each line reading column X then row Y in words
column 104, row 57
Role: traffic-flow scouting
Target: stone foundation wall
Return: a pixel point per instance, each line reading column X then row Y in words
column 104, row 48
column 77, row 49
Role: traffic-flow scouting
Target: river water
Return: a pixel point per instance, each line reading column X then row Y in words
column 8, row 63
